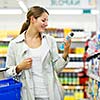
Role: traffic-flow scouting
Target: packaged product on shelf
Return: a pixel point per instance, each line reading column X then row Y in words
column 98, row 94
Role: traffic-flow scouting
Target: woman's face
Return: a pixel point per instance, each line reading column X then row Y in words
column 41, row 22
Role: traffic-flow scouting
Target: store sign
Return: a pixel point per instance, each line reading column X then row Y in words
column 72, row 4
column 64, row 2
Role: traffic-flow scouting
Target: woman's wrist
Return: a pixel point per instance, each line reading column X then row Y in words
column 65, row 56
column 18, row 69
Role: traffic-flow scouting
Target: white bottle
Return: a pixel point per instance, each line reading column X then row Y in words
column 68, row 37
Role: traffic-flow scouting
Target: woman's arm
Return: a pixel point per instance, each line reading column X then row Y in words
column 59, row 62
column 10, row 60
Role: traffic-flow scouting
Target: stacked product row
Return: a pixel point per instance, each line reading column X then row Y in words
column 75, row 84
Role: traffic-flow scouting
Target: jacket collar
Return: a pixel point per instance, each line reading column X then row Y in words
column 21, row 37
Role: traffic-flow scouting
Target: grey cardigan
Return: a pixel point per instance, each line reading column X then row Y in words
column 52, row 63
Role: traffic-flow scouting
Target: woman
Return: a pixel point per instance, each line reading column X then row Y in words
column 33, row 59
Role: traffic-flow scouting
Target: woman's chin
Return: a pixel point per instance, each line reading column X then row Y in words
column 42, row 31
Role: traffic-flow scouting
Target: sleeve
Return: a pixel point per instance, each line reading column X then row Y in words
column 11, row 60
column 58, row 62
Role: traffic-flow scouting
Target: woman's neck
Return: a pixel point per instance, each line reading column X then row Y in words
column 32, row 39
column 32, row 34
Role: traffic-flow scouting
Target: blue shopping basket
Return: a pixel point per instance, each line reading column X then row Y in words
column 10, row 89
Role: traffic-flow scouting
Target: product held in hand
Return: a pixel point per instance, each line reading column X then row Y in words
column 68, row 37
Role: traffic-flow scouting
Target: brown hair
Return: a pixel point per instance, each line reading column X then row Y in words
column 35, row 11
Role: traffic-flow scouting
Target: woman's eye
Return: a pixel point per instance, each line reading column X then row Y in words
column 43, row 20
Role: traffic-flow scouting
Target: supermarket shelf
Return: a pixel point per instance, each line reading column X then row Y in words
column 75, row 65
column 3, row 69
column 73, row 39
column 2, row 55
column 6, row 39
column 73, row 87
column 71, row 70
column 74, row 55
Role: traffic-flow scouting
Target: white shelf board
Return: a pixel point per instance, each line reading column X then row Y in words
column 6, row 39
column 75, row 65
column 73, row 87
column 73, row 39
column 74, row 55
column 3, row 55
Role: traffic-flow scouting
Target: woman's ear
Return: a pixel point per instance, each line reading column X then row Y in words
column 32, row 19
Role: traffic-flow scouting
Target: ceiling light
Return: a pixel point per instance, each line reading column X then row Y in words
column 10, row 11
column 95, row 12
column 22, row 5
column 63, row 11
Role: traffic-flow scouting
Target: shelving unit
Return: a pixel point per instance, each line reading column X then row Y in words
column 3, row 51
column 84, row 18
column 5, row 37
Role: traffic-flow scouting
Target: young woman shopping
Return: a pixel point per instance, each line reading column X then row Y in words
column 33, row 59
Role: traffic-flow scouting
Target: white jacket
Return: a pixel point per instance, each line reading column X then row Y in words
column 52, row 63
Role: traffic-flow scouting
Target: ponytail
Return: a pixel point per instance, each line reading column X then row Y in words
column 24, row 26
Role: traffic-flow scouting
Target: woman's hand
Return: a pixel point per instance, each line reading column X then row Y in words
column 24, row 65
column 67, row 44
